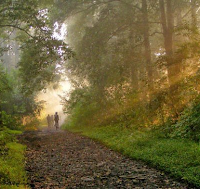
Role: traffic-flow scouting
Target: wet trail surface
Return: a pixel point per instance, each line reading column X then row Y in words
column 66, row 160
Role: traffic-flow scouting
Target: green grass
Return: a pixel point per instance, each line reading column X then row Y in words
column 178, row 157
column 13, row 187
column 12, row 171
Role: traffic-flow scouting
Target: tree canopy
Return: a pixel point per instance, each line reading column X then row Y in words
column 28, row 24
column 135, row 60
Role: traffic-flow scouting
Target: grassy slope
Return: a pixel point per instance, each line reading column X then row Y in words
column 12, row 172
column 180, row 158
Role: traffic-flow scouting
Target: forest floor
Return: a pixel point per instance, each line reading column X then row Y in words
column 61, row 159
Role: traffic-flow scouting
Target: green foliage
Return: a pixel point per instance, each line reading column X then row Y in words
column 6, row 136
column 33, row 30
column 180, row 158
column 12, row 165
column 82, row 107
column 12, row 172
column 44, row 59
column 188, row 125
column 10, row 121
column 4, row 84
column 15, row 105
column 162, row 111
column 112, row 82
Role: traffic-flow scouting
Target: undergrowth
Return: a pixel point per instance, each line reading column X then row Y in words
column 12, row 172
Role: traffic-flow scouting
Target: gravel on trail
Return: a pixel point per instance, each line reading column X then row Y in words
column 64, row 160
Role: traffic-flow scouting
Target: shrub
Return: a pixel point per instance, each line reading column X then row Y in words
column 188, row 126
column 10, row 121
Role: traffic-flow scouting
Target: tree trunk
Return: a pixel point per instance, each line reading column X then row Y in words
column 167, row 21
column 1, row 121
column 147, row 45
column 133, row 61
column 193, row 14
column 173, row 67
column 179, row 15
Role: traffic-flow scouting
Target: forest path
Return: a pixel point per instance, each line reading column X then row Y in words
column 67, row 160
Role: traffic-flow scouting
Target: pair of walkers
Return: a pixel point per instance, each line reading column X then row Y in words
column 53, row 120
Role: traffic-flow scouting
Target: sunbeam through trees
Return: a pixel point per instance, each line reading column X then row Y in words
column 130, row 77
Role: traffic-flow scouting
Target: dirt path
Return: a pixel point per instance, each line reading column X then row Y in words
column 67, row 160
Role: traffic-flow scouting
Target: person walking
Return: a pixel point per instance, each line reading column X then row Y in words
column 56, row 120
column 52, row 121
column 49, row 121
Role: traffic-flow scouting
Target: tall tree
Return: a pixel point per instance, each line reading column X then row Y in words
column 167, row 21
column 193, row 14
column 147, row 45
column 35, row 35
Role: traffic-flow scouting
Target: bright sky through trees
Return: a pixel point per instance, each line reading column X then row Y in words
column 52, row 96
column 60, row 31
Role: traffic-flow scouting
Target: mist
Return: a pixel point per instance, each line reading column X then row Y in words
column 53, row 102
